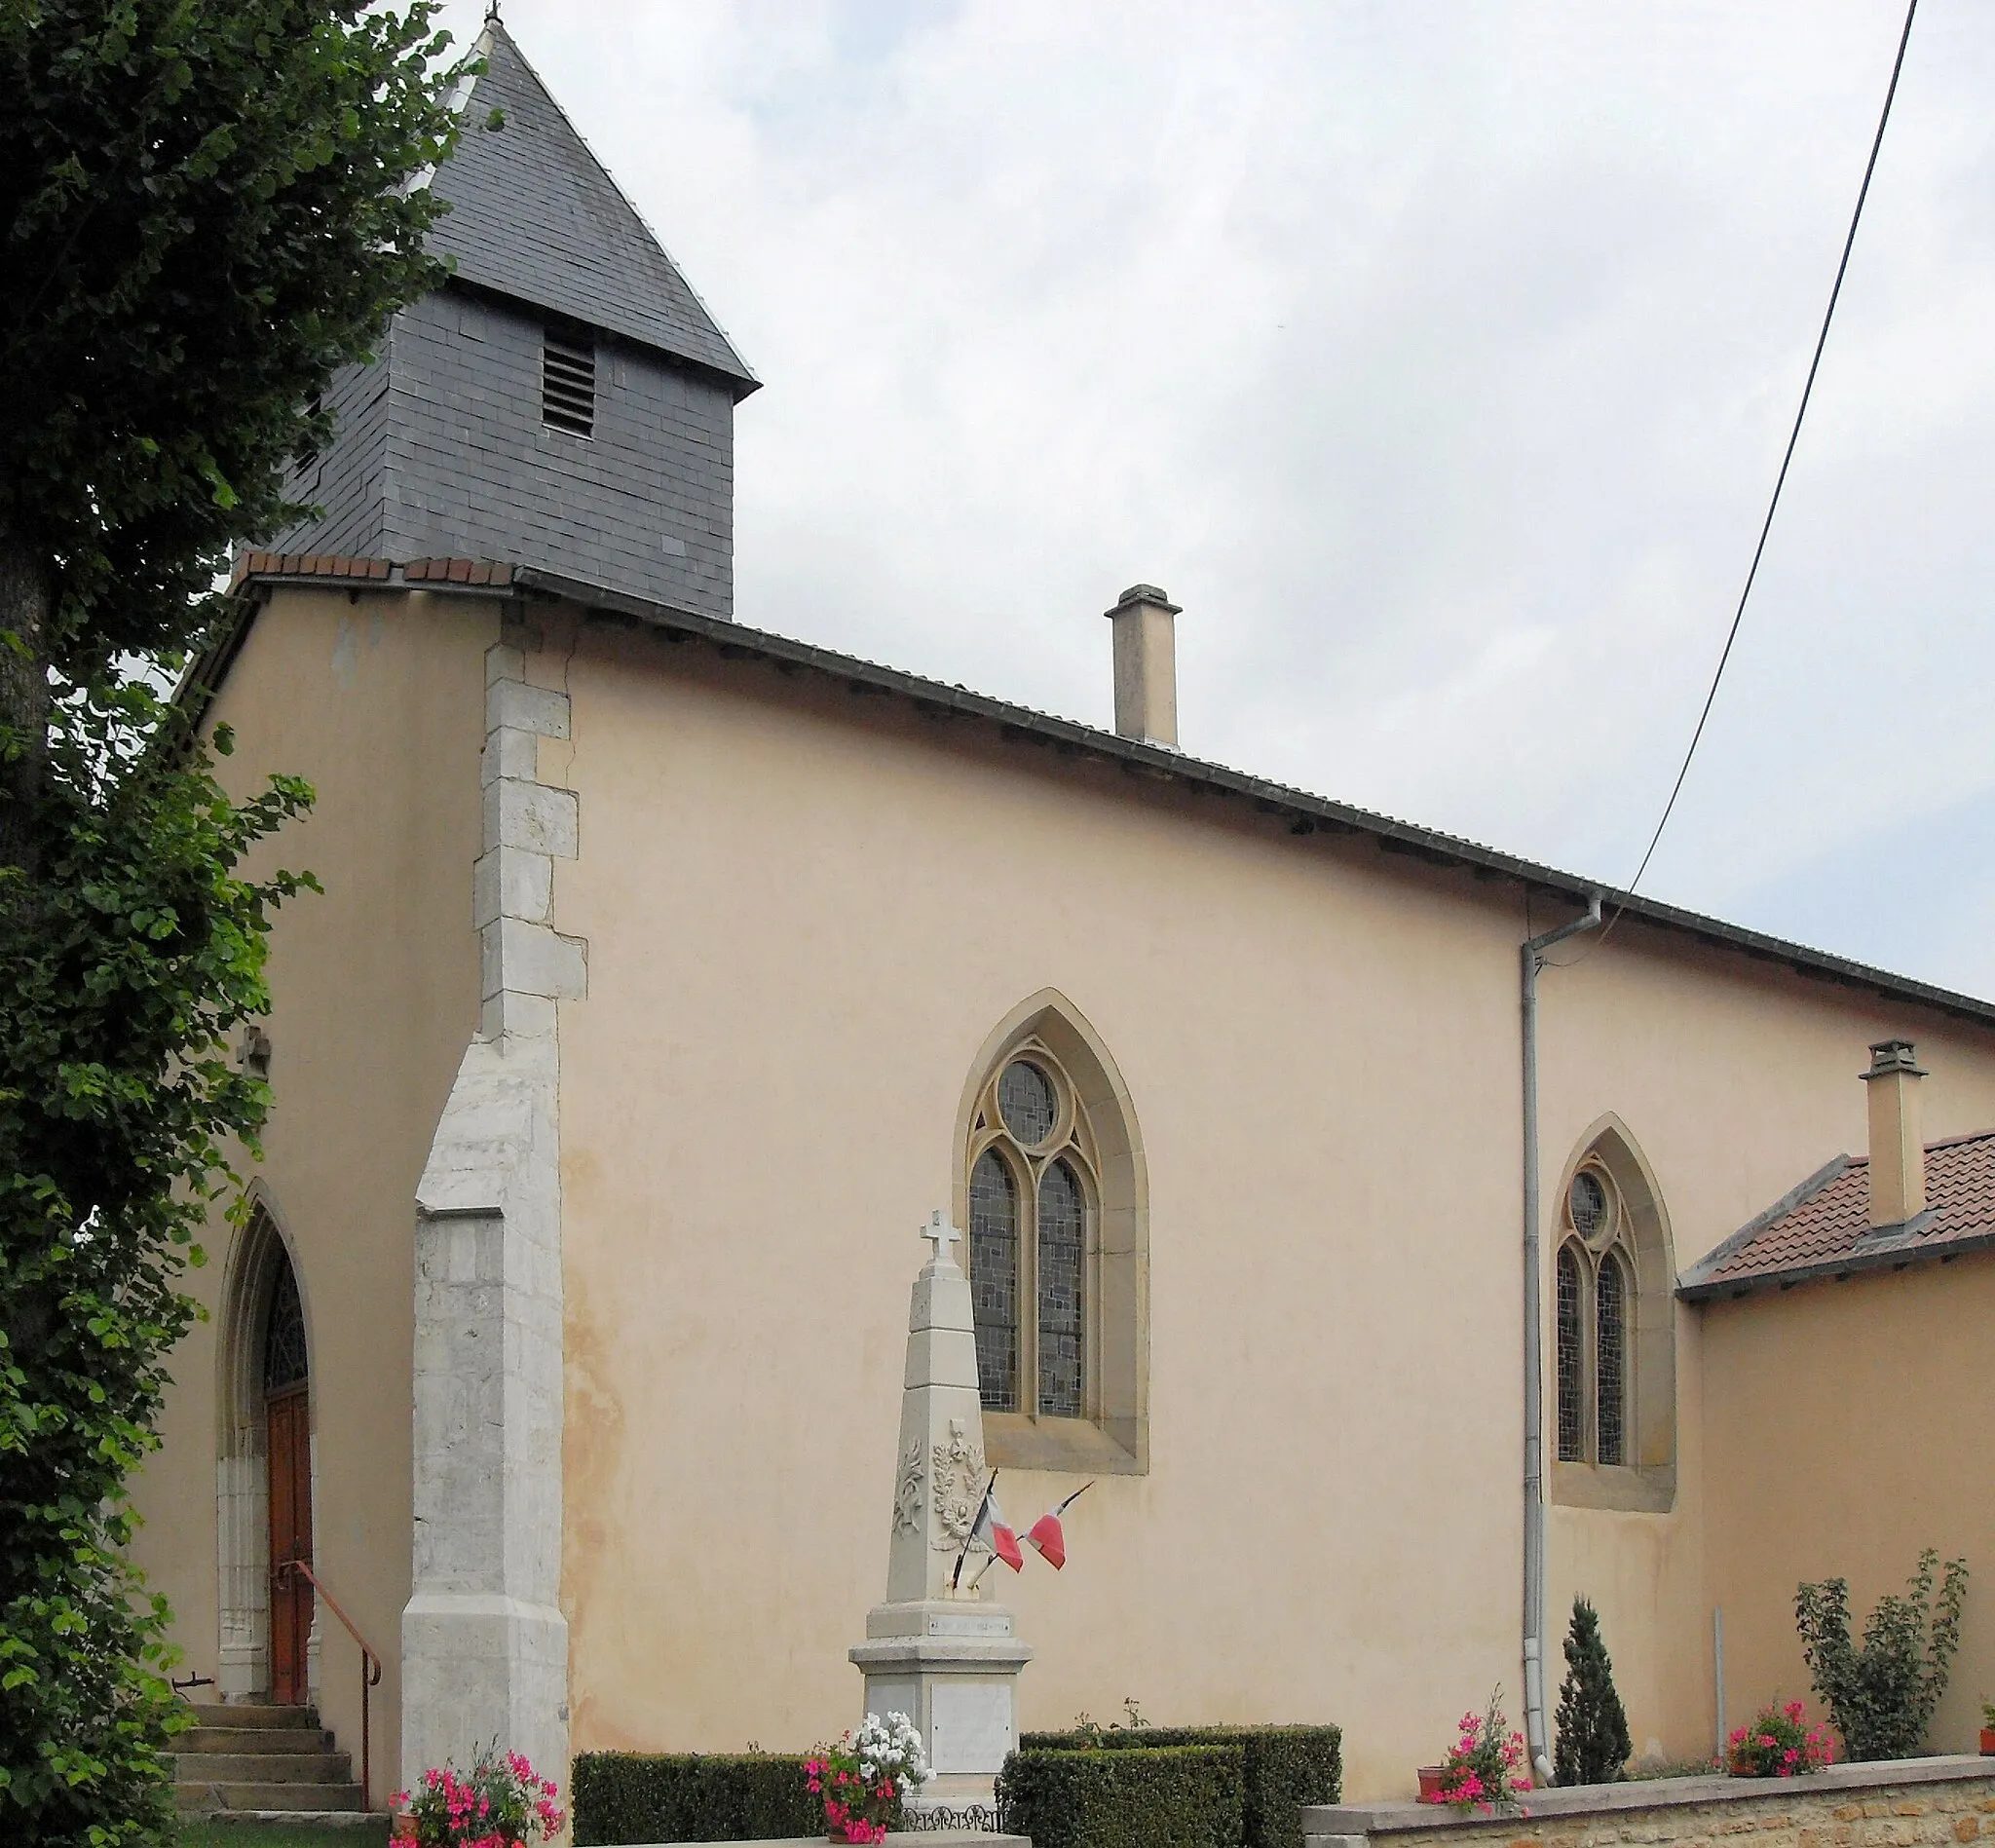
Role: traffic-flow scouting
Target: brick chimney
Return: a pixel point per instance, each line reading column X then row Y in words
column 1897, row 1151
column 1145, row 666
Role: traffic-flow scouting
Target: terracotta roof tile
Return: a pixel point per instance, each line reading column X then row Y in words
column 1823, row 1228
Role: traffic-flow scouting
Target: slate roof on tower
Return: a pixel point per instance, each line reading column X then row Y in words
column 535, row 215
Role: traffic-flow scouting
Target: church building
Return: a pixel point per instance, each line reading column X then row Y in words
column 1393, row 1272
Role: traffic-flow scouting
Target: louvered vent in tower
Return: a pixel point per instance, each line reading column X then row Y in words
column 568, row 378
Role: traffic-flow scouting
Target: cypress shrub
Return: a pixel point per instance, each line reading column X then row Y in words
column 637, row 1796
column 1172, row 1797
column 1283, row 1768
column 1593, row 1728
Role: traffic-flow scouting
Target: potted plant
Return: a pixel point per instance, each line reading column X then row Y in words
column 1483, row 1769
column 500, row 1802
column 1988, row 1730
column 864, row 1778
column 1778, row 1743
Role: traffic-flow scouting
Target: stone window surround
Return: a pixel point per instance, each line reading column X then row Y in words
column 1647, row 1483
column 1114, row 1439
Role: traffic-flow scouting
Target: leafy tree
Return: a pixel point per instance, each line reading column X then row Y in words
column 206, row 209
column 115, row 1097
column 1883, row 1695
column 207, row 206
column 1593, row 1745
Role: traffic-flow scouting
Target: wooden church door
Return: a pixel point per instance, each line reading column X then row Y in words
column 287, row 1409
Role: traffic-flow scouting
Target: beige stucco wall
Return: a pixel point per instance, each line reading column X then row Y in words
column 1737, row 1090
column 1846, row 1428
column 804, row 914
column 380, row 703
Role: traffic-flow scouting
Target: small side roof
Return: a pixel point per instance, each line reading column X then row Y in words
column 535, row 215
column 1822, row 1228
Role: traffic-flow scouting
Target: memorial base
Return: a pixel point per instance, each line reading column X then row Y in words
column 951, row 1665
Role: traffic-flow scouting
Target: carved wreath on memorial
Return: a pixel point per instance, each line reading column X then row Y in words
column 958, row 1490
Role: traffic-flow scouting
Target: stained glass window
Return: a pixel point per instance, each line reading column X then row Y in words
column 1587, row 1204
column 1027, row 1101
column 284, row 1335
column 1062, row 1305
column 1031, row 1179
column 1610, row 1349
column 1571, row 1393
column 993, row 1279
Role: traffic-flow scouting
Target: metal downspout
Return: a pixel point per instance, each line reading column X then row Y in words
column 1532, row 960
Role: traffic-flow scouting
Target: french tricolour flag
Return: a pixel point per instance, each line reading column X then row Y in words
column 1046, row 1534
column 991, row 1529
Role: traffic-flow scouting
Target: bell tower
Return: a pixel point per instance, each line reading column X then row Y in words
column 564, row 402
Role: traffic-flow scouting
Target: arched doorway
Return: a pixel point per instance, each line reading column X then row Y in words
column 287, row 1427
column 263, row 1488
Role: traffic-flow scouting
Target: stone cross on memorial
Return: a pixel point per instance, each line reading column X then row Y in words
column 940, row 1235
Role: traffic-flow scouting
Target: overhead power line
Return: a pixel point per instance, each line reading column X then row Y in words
column 1793, row 437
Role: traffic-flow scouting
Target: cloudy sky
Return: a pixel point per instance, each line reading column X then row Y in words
column 1437, row 359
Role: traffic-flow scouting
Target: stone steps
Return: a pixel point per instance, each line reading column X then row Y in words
column 238, row 1715
column 198, row 1798
column 262, row 1760
column 256, row 1741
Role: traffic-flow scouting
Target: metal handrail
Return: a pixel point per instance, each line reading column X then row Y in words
column 370, row 1662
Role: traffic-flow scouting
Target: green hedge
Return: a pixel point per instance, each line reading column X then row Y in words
column 1284, row 1768
column 624, row 1796
column 1176, row 1797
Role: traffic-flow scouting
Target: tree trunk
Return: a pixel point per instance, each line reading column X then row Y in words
column 23, row 699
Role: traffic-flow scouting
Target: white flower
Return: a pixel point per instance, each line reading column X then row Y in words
column 868, row 1770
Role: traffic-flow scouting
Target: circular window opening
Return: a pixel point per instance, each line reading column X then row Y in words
column 1587, row 1204
column 1027, row 1101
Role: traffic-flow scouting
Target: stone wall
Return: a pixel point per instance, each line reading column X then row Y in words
column 1920, row 1803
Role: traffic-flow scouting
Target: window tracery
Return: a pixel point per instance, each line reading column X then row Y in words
column 1033, row 1181
column 283, row 1333
column 1595, row 1263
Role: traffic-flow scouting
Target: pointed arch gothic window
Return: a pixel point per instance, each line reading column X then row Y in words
column 1593, row 1322
column 1054, row 1202
column 1031, row 1180
column 1614, row 1315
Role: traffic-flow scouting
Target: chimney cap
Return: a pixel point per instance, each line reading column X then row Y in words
column 1145, row 593
column 1893, row 1055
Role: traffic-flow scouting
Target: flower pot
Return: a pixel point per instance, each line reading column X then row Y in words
column 1430, row 1776
column 1988, row 1742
